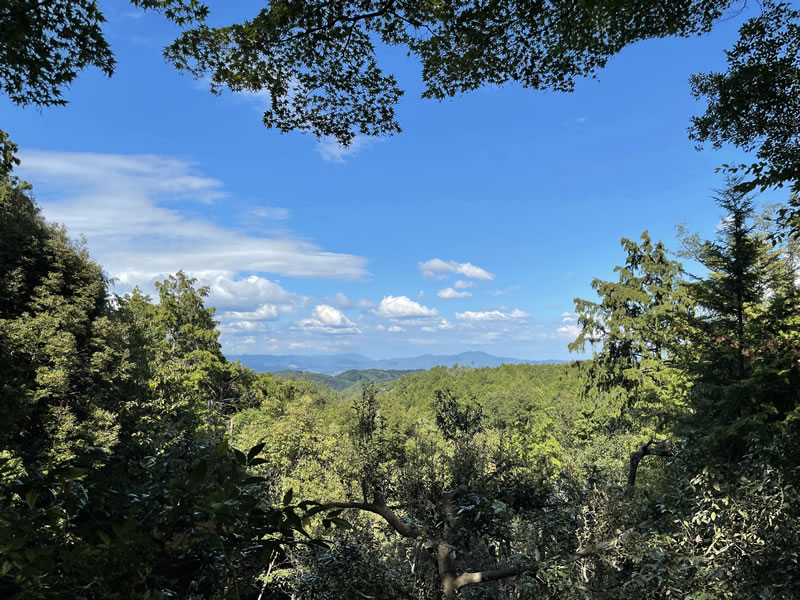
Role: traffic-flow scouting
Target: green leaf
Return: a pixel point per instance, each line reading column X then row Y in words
column 31, row 498
column 255, row 451
column 70, row 473
column 287, row 497
column 340, row 523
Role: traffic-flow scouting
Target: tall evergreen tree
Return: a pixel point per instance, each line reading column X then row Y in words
column 635, row 332
column 746, row 332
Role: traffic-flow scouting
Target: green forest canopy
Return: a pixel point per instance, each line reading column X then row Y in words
column 136, row 461
column 139, row 462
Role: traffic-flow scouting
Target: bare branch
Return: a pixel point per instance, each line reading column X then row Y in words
column 379, row 508
column 484, row 576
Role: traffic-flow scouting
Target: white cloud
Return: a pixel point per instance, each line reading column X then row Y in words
column 461, row 284
column 331, row 151
column 395, row 329
column 225, row 292
column 437, row 268
column 569, row 331
column 272, row 213
column 451, row 294
column 504, row 291
column 345, row 303
column 265, row 312
column 228, row 326
column 442, row 325
column 492, row 315
column 327, row 319
column 132, row 210
column 330, row 316
column 421, row 294
column 402, row 307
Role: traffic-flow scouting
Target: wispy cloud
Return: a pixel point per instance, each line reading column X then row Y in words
column 492, row 315
column 271, row 213
column 343, row 302
column 435, row 268
column 451, row 294
column 331, row 151
column 132, row 209
column 504, row 291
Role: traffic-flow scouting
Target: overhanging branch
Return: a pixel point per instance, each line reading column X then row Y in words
column 379, row 507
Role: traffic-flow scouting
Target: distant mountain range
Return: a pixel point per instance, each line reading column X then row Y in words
column 333, row 364
column 347, row 380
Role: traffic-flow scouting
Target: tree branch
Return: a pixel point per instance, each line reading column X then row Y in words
column 484, row 576
column 378, row 507
column 651, row 448
column 340, row 18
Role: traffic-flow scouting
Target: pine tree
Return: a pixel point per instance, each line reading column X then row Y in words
column 746, row 332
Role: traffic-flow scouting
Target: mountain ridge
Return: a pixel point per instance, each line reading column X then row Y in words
column 333, row 364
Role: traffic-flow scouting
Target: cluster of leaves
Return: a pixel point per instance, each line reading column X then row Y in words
column 189, row 521
column 317, row 60
column 756, row 102
column 44, row 45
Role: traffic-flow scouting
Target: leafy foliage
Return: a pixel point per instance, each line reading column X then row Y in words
column 755, row 104
column 318, row 62
column 638, row 324
column 44, row 45
column 115, row 476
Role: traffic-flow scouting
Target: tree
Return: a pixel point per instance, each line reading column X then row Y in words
column 755, row 104
column 317, row 59
column 114, row 478
column 61, row 362
column 459, row 494
column 44, row 45
column 746, row 331
column 636, row 378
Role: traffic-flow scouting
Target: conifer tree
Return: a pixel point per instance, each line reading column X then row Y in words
column 746, row 331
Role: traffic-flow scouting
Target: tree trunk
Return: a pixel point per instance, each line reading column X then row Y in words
column 651, row 448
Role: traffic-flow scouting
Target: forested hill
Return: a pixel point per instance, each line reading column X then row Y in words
column 348, row 380
column 333, row 364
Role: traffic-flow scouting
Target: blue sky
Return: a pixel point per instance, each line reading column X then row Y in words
column 474, row 229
